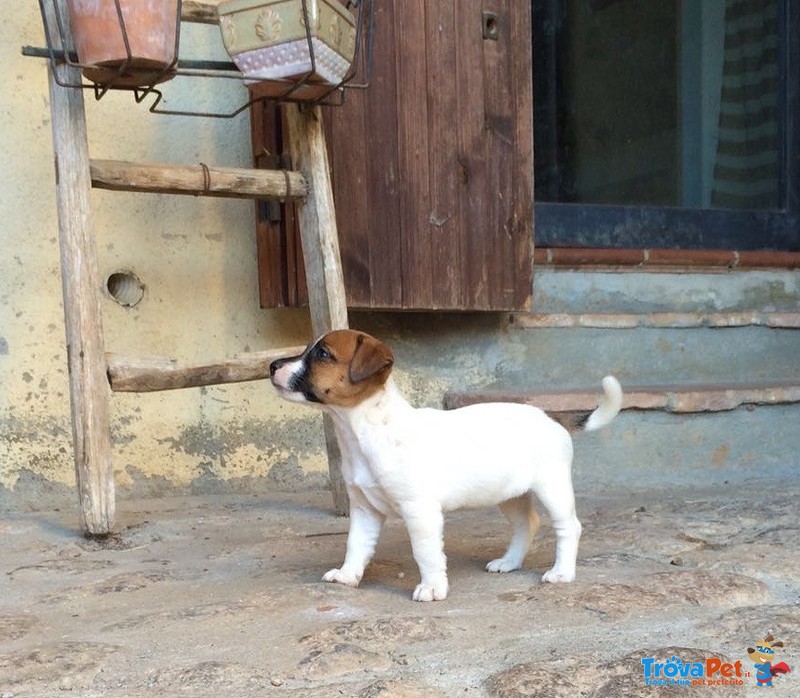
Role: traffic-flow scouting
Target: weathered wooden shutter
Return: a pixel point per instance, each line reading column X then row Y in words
column 432, row 165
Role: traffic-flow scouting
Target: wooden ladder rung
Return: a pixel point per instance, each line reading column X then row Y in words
column 146, row 374
column 198, row 180
column 200, row 11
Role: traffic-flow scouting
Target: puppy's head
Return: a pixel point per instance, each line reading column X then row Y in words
column 342, row 368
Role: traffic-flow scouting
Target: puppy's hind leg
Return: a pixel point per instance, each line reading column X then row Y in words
column 524, row 523
column 559, row 500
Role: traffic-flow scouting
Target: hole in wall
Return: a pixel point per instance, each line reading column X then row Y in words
column 125, row 288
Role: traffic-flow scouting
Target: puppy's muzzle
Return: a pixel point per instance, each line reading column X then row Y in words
column 275, row 365
column 290, row 378
column 282, row 373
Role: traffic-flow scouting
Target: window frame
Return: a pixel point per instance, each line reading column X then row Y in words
column 580, row 225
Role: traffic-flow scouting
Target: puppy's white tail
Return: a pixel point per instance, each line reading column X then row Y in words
column 609, row 407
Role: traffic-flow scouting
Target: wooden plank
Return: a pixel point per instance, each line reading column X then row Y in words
column 280, row 268
column 200, row 11
column 128, row 374
column 413, row 150
column 433, row 163
column 522, row 218
column 317, row 219
column 197, row 180
column 500, row 155
column 495, row 145
column 270, row 238
column 341, row 500
column 472, row 156
column 296, row 271
column 383, row 230
column 445, row 222
column 80, row 283
column 349, row 160
column 271, row 266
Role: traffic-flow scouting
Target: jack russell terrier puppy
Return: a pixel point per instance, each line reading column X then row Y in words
column 419, row 463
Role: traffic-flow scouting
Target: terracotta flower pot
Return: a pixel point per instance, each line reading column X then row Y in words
column 151, row 27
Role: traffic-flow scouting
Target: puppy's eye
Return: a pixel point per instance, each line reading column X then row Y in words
column 323, row 354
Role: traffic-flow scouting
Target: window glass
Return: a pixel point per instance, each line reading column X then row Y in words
column 658, row 103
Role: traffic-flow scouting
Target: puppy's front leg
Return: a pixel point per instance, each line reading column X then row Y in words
column 425, row 527
column 365, row 527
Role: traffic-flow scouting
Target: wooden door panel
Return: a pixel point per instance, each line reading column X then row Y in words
column 410, row 161
column 281, row 273
column 433, row 164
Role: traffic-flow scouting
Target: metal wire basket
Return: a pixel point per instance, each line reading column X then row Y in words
column 124, row 73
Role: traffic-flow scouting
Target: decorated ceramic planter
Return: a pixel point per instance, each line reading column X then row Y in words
column 268, row 40
column 151, row 28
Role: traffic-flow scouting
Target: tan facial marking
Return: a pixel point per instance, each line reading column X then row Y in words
column 356, row 367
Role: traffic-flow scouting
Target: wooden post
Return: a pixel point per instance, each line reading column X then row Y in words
column 89, row 391
column 317, row 219
column 200, row 11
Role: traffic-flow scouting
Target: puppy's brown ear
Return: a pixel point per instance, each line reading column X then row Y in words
column 777, row 644
column 371, row 357
column 750, row 650
column 768, row 638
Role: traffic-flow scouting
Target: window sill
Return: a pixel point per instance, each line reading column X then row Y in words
column 677, row 399
column 628, row 321
column 656, row 260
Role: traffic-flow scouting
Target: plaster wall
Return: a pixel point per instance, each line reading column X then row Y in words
column 197, row 260
column 195, row 257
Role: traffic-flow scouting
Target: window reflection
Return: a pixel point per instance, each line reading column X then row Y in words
column 663, row 103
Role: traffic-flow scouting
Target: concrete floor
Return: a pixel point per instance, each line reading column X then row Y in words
column 221, row 596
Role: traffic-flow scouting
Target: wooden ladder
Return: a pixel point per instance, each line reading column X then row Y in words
column 93, row 374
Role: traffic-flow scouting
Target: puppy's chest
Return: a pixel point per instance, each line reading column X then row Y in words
column 379, row 470
column 383, row 438
column 363, row 484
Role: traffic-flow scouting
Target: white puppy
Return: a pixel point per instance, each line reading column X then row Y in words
column 419, row 463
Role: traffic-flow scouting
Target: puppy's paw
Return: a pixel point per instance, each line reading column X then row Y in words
column 503, row 564
column 431, row 592
column 555, row 576
column 341, row 577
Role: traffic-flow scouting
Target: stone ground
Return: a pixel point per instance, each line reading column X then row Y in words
column 210, row 596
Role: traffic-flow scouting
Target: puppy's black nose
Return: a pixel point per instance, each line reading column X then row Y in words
column 275, row 365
